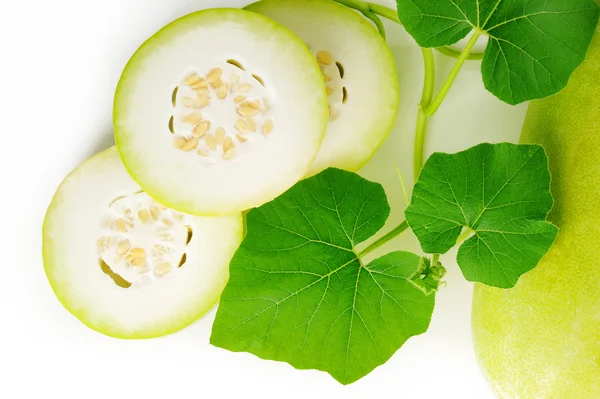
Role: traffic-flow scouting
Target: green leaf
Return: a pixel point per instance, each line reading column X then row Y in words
column 299, row 293
column 534, row 45
column 499, row 191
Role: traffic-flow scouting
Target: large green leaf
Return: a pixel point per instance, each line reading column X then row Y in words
column 534, row 45
column 499, row 191
column 299, row 293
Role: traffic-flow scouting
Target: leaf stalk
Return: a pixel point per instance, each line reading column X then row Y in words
column 437, row 101
column 373, row 11
column 389, row 236
column 426, row 97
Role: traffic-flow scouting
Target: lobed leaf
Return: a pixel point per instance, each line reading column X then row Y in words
column 299, row 293
column 500, row 192
column 534, row 45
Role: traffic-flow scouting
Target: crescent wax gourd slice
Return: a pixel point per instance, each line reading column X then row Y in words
column 359, row 74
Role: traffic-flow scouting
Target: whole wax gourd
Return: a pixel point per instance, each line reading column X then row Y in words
column 541, row 339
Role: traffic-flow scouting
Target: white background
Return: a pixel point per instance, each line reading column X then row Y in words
column 60, row 61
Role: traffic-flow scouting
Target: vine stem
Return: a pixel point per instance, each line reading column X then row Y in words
column 437, row 101
column 455, row 53
column 426, row 96
column 384, row 11
column 377, row 21
column 392, row 234
column 429, row 107
column 466, row 234
column 372, row 11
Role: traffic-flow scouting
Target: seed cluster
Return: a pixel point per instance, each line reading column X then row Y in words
column 208, row 139
column 333, row 75
column 116, row 248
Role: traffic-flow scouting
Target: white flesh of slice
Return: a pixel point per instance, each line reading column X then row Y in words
column 220, row 111
column 359, row 72
column 113, row 255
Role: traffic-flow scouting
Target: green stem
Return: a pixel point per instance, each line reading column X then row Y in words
column 377, row 21
column 456, row 54
column 467, row 233
column 391, row 235
column 427, row 107
column 437, row 101
column 426, row 96
column 372, row 11
column 358, row 5
column 384, row 11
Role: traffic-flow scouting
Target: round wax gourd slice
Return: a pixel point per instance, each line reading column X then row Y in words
column 126, row 265
column 220, row 111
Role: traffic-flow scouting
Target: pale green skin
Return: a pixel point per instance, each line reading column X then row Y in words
column 541, row 339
